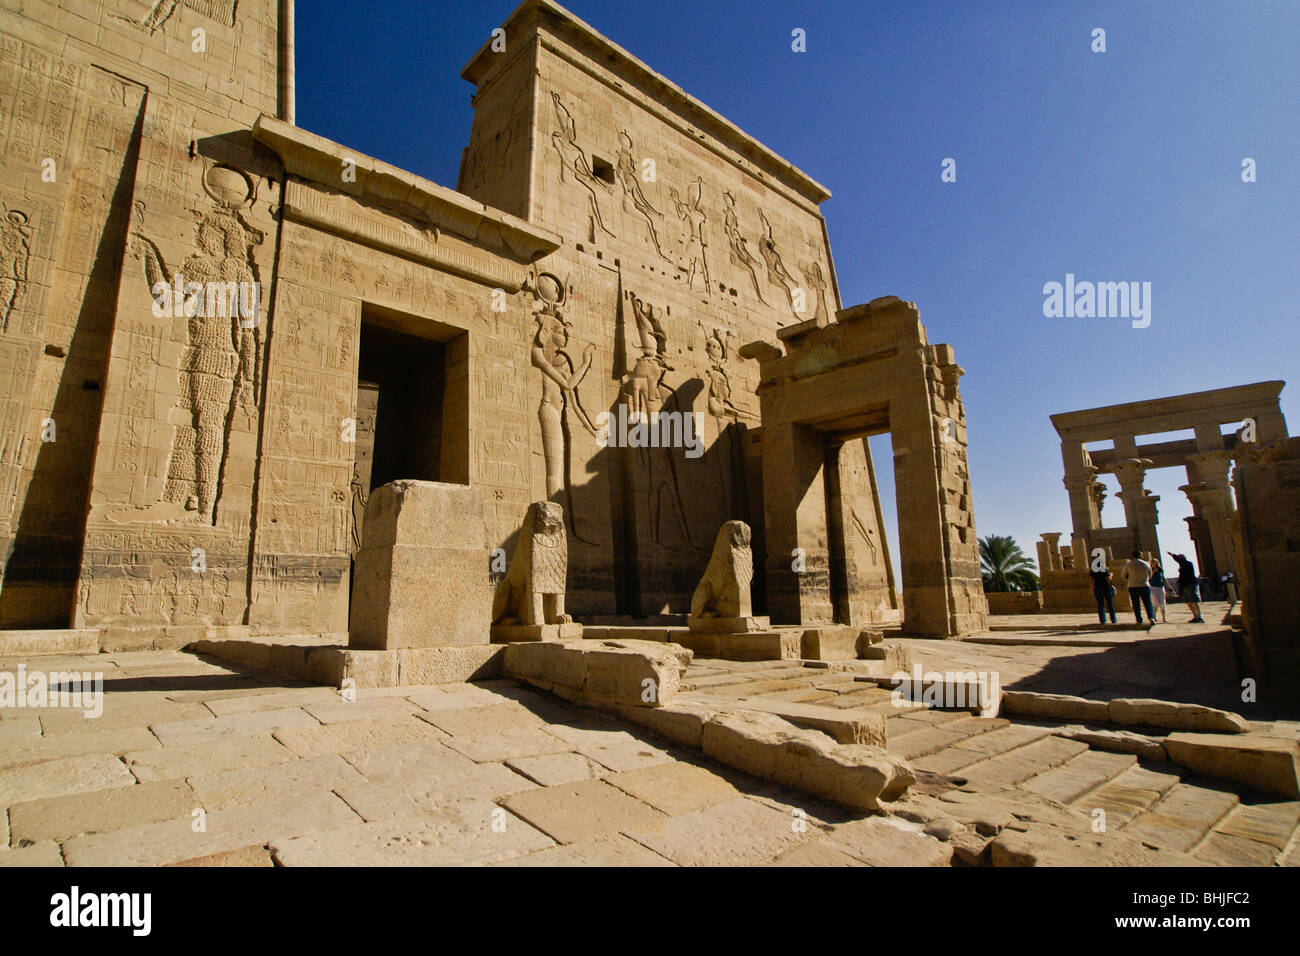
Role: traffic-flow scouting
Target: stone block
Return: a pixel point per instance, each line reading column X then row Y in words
column 420, row 666
column 421, row 574
column 766, row 746
column 508, row 633
column 830, row 644
column 1053, row 706
column 1268, row 764
column 1175, row 716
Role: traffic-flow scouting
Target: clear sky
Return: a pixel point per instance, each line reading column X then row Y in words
column 1117, row 166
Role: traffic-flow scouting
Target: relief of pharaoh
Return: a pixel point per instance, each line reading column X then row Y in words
column 218, row 368
column 532, row 592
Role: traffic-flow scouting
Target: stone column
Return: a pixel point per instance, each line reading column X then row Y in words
column 1052, row 543
column 1213, row 500
column 1139, row 509
column 1078, row 483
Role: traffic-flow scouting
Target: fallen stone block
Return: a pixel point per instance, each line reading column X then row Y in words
column 1268, row 764
column 682, row 721
column 829, row 644
column 1115, row 741
column 845, row 727
column 1053, row 706
column 1175, row 716
column 857, row 777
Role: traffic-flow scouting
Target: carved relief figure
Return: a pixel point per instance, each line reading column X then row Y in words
column 219, row 365
column 740, row 255
column 358, row 507
column 626, row 175
column 816, row 280
column 696, row 242
column 560, row 382
column 532, row 592
column 162, row 10
column 642, row 388
column 15, row 250
column 777, row 274
column 723, row 591
column 574, row 161
column 719, row 383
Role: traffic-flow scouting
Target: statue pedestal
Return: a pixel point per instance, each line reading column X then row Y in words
column 510, row 633
column 728, row 625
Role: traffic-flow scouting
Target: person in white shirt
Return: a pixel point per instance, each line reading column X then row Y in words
column 1138, row 575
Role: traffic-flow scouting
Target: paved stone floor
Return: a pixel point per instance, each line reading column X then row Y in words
column 193, row 761
column 196, row 762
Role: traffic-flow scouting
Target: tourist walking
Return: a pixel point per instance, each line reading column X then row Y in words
column 1104, row 592
column 1138, row 575
column 1187, row 586
column 1158, row 585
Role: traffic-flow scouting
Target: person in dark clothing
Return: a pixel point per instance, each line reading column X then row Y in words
column 1187, row 588
column 1104, row 592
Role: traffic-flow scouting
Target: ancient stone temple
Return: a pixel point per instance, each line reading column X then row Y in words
column 223, row 335
column 1254, row 417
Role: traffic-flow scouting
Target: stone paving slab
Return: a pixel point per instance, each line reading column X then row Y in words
column 675, row 787
column 739, row 832
column 580, row 811
column 71, row 815
column 355, row 735
column 461, row 835
column 277, row 781
column 234, row 725
column 195, row 759
column 550, row 770
column 55, row 778
column 614, row 850
column 230, row 829
column 44, row 854
column 380, row 801
column 416, row 759
column 31, row 750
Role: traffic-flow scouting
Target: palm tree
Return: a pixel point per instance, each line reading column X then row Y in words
column 1004, row 566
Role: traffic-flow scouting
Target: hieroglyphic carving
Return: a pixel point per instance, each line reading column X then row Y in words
column 15, row 251
column 630, row 183
column 161, row 11
column 697, row 243
column 740, row 254
column 574, row 160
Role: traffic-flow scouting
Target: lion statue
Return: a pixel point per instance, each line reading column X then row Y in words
column 532, row 592
column 724, row 589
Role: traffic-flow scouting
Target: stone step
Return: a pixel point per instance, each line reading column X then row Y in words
column 951, row 734
column 1079, row 776
column 1129, row 794
column 1019, row 764
column 1183, row 817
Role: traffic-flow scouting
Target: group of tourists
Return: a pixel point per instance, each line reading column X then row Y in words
column 1148, row 588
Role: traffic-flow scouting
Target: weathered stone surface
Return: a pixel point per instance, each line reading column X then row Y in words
column 682, row 721
column 257, row 856
column 420, row 759
column 1050, row 846
column 580, row 811
column 457, row 835
column 1269, row 764
column 771, row 748
column 55, row 778
column 217, row 791
column 236, row 725
column 355, row 735
column 819, row 853
column 445, row 665
column 412, row 795
column 1115, row 741
column 674, row 787
column 1221, row 849
column 607, row 851
column 31, row 750
column 418, row 532
column 231, row 829
column 739, row 832
column 1084, row 773
column 885, row 842
column 551, row 770
column 857, row 727
column 210, row 757
column 1054, row 706
column 44, row 854
column 626, row 673
column 1271, row 823
column 1175, row 716
column 59, row 818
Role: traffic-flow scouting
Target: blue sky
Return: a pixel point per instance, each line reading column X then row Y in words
column 1115, row 166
